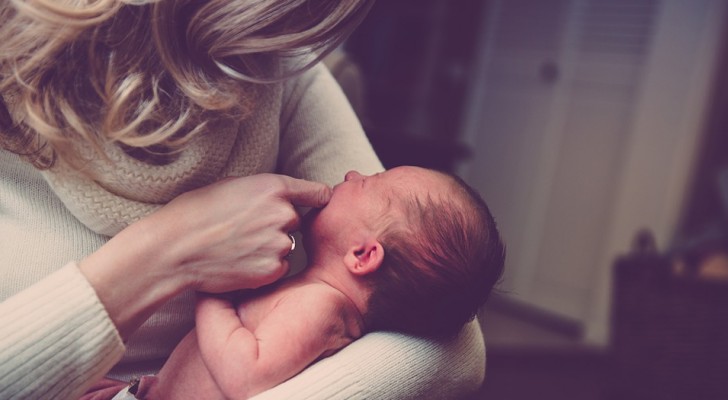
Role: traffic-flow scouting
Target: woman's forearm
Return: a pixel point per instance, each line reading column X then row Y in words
column 227, row 236
column 133, row 276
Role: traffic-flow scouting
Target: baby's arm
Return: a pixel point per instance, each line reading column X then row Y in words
column 304, row 325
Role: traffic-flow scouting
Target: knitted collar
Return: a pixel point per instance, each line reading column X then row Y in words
column 128, row 189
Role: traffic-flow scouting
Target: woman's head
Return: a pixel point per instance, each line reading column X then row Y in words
column 148, row 74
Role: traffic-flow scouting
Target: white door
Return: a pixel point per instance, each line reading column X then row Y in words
column 554, row 125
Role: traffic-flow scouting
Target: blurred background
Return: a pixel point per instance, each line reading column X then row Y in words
column 597, row 132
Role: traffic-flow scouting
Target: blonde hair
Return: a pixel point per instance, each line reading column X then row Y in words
column 148, row 74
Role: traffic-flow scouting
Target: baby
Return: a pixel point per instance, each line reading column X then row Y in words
column 408, row 250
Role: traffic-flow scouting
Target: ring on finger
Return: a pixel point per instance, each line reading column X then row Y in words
column 293, row 244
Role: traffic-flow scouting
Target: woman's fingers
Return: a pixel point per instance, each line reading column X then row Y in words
column 235, row 234
column 304, row 193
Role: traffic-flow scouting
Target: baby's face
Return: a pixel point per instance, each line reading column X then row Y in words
column 360, row 202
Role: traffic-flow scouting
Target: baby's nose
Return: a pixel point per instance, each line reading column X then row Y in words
column 352, row 175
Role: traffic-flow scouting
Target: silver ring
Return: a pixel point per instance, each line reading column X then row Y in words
column 293, row 245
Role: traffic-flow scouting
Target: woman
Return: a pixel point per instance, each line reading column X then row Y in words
column 119, row 120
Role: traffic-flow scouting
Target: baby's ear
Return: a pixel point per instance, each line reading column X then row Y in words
column 364, row 258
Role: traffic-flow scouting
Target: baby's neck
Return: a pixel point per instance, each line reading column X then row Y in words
column 339, row 278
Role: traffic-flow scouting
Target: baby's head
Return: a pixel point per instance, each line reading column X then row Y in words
column 426, row 245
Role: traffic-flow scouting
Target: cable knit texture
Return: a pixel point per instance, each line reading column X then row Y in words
column 56, row 338
column 127, row 189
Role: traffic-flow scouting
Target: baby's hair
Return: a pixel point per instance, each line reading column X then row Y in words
column 148, row 74
column 439, row 266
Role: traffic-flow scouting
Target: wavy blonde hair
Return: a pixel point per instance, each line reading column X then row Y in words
column 147, row 74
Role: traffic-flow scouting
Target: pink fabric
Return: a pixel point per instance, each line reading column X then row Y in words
column 144, row 389
column 107, row 388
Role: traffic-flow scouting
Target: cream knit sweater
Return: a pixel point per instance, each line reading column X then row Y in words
column 55, row 336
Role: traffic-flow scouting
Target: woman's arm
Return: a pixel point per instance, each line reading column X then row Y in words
column 58, row 335
column 392, row 366
column 55, row 336
column 230, row 235
column 55, row 339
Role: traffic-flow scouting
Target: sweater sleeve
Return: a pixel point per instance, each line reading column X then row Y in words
column 321, row 140
column 56, row 339
column 392, row 366
column 321, row 137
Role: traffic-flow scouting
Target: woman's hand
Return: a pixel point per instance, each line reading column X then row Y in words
column 234, row 234
column 230, row 235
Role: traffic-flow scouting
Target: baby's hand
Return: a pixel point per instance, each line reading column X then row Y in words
column 214, row 303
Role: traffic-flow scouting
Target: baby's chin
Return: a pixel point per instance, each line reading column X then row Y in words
column 307, row 229
column 308, row 219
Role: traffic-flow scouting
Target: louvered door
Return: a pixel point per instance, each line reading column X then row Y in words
column 552, row 123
